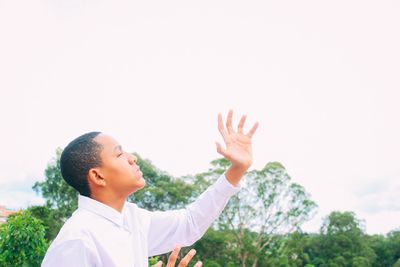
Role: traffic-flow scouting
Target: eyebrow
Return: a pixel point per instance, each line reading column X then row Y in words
column 119, row 147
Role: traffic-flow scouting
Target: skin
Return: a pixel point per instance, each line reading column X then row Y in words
column 119, row 175
column 183, row 263
column 238, row 147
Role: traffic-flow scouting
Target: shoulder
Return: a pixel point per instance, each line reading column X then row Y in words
column 71, row 252
column 72, row 242
column 77, row 227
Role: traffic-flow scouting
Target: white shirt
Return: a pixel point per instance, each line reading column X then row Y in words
column 98, row 235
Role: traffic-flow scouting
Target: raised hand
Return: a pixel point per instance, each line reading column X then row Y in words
column 183, row 263
column 238, row 146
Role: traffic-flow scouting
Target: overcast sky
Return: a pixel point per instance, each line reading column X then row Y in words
column 321, row 78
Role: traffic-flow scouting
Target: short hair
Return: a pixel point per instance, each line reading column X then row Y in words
column 78, row 157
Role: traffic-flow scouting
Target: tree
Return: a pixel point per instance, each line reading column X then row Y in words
column 50, row 219
column 387, row 249
column 162, row 191
column 22, row 241
column 295, row 250
column 393, row 239
column 268, row 204
column 342, row 242
column 216, row 246
column 56, row 191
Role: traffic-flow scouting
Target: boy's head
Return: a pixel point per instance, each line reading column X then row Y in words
column 94, row 163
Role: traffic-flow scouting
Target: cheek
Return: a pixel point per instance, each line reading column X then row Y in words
column 112, row 169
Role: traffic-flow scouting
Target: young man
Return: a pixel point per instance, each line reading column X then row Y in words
column 106, row 230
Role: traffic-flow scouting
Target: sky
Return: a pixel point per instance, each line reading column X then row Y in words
column 320, row 77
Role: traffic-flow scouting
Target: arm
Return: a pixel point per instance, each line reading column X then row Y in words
column 184, row 227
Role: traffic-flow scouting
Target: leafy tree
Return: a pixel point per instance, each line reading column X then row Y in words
column 393, row 239
column 22, row 241
column 342, row 242
column 162, row 191
column 218, row 247
column 387, row 249
column 294, row 252
column 56, row 191
column 267, row 205
column 50, row 219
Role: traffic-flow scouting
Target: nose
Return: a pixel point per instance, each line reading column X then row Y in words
column 132, row 159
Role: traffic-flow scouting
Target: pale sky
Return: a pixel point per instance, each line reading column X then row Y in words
column 321, row 78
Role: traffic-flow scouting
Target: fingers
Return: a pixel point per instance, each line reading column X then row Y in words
column 198, row 264
column 173, row 257
column 221, row 126
column 229, row 129
column 158, row 264
column 252, row 130
column 185, row 261
column 229, row 122
column 241, row 124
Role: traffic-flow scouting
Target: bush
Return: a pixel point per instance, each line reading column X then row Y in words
column 22, row 241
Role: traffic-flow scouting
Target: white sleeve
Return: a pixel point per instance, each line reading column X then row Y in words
column 70, row 253
column 185, row 226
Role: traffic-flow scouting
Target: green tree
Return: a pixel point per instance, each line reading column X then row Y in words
column 387, row 248
column 381, row 247
column 294, row 251
column 342, row 242
column 50, row 219
column 268, row 204
column 22, row 241
column 56, row 191
column 162, row 191
column 217, row 246
column 393, row 240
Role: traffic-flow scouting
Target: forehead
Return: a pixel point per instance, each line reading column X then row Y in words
column 108, row 143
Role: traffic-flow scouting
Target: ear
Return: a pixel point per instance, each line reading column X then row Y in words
column 96, row 178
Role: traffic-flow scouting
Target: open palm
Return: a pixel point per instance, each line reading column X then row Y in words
column 238, row 148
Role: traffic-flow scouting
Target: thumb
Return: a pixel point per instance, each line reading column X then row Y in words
column 221, row 150
column 158, row 264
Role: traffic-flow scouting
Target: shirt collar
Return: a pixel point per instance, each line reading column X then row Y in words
column 101, row 209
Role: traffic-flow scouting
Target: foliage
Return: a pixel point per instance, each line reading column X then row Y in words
column 387, row 249
column 269, row 204
column 50, row 218
column 217, row 246
column 153, row 260
column 259, row 227
column 162, row 191
column 56, row 191
column 342, row 242
column 22, row 241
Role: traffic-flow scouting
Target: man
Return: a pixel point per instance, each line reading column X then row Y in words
column 106, row 230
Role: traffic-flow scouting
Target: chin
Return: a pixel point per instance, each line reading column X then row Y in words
column 139, row 185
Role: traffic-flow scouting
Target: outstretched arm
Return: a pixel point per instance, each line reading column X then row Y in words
column 185, row 226
column 238, row 147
